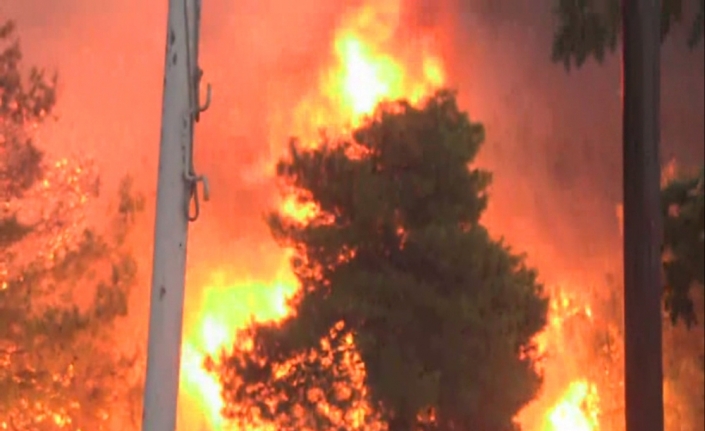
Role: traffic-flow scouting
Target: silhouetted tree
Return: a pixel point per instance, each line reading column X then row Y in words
column 684, row 246
column 63, row 284
column 396, row 259
column 592, row 28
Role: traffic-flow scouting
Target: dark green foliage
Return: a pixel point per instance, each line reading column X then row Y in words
column 57, row 345
column 591, row 28
column 684, row 234
column 23, row 103
column 63, row 285
column 683, row 366
column 442, row 315
column 12, row 230
column 696, row 33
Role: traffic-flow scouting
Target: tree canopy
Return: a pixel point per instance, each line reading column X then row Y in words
column 407, row 307
column 23, row 104
column 591, row 28
column 684, row 244
column 63, row 283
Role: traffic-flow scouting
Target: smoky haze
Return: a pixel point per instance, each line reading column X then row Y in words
column 553, row 138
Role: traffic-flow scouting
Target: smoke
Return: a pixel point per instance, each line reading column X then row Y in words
column 109, row 56
column 554, row 139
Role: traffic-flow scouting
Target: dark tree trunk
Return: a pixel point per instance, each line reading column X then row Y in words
column 642, row 224
column 400, row 423
column 448, row 385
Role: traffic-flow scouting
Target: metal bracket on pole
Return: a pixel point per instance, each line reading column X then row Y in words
column 207, row 104
column 196, row 74
column 191, row 175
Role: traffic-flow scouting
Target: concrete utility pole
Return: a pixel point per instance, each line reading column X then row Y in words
column 177, row 193
column 642, row 215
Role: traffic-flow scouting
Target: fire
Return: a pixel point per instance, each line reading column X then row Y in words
column 367, row 72
column 577, row 410
column 567, row 402
column 367, row 65
column 224, row 308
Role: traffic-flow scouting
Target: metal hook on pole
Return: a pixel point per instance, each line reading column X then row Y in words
column 191, row 175
column 201, row 108
column 196, row 108
column 207, row 103
column 194, row 180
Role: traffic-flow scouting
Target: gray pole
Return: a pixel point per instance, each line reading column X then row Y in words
column 176, row 187
column 642, row 215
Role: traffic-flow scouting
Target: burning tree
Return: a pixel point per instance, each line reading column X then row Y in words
column 394, row 263
column 63, row 285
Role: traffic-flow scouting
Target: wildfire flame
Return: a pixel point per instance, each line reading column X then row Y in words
column 224, row 308
column 366, row 68
column 577, row 410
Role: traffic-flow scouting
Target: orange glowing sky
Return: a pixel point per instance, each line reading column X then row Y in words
column 277, row 68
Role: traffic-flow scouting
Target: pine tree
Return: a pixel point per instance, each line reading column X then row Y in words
column 63, row 284
column 396, row 261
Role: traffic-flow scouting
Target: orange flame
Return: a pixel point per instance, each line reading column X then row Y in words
column 366, row 75
column 567, row 403
column 368, row 65
column 366, row 68
column 225, row 307
column 577, row 410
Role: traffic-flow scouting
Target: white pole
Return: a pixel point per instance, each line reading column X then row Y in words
column 176, row 182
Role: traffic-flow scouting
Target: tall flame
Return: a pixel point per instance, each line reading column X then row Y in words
column 368, row 65
column 366, row 74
